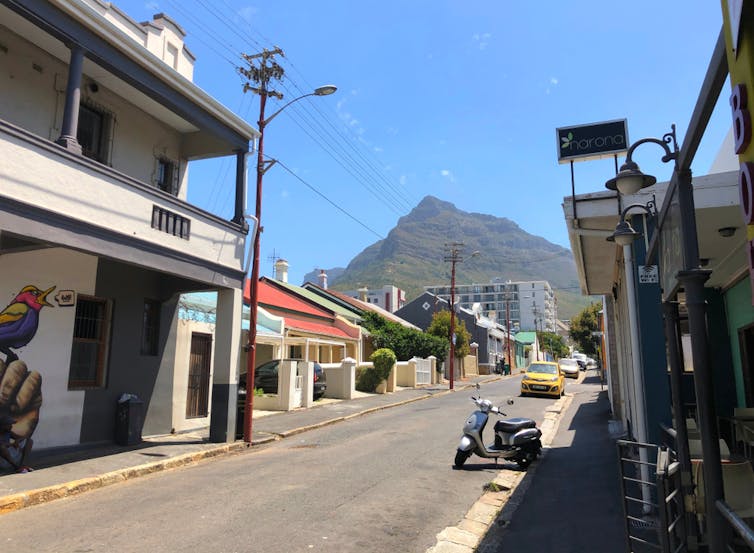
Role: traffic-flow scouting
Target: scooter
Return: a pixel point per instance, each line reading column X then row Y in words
column 517, row 439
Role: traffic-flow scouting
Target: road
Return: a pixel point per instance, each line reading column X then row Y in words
column 382, row 482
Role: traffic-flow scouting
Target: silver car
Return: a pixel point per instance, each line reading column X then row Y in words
column 569, row 367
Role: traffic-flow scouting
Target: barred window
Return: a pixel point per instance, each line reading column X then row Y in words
column 91, row 340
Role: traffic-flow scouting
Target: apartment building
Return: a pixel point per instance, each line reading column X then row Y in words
column 522, row 305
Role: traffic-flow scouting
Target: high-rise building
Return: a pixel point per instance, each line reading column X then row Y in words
column 530, row 304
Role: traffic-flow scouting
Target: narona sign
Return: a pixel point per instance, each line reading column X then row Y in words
column 592, row 141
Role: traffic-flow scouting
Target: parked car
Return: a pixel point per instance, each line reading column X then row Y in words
column 569, row 367
column 543, row 377
column 582, row 359
column 266, row 378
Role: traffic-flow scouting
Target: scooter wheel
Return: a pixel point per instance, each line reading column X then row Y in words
column 461, row 457
column 524, row 462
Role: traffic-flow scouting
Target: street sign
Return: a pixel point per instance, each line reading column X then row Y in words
column 648, row 274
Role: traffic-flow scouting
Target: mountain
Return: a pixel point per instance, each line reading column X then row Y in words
column 412, row 255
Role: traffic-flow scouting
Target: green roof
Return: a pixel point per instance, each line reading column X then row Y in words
column 526, row 337
column 319, row 300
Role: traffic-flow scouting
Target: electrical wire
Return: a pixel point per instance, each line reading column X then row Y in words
column 336, row 206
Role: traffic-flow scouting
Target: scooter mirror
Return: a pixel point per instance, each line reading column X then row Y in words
column 510, row 401
column 477, row 386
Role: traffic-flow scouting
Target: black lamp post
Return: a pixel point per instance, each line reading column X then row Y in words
column 691, row 278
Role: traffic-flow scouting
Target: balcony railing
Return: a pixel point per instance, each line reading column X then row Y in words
column 40, row 173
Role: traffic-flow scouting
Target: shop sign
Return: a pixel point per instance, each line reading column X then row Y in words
column 592, row 141
column 739, row 40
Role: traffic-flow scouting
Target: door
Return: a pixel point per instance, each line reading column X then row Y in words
column 197, row 398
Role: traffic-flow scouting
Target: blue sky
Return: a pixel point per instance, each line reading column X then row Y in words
column 455, row 99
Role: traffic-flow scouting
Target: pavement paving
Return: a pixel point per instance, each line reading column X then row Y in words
column 584, row 471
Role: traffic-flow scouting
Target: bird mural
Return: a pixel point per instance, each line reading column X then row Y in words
column 20, row 319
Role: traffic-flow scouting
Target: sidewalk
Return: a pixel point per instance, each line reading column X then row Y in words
column 61, row 474
column 571, row 501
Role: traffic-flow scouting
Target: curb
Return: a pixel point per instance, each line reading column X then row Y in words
column 30, row 498
column 471, row 530
column 22, row 500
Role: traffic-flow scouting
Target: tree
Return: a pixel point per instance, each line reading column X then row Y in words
column 583, row 326
column 405, row 342
column 440, row 327
column 554, row 343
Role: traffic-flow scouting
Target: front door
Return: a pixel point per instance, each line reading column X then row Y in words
column 197, row 399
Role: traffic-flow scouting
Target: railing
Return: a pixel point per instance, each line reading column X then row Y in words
column 741, row 535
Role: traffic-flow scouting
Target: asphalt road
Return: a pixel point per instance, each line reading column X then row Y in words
column 382, row 482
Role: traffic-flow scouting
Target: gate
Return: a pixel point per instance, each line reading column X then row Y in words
column 423, row 371
column 653, row 504
column 197, row 395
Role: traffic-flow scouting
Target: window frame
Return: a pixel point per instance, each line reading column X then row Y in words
column 167, row 184
column 150, row 327
column 103, row 342
column 106, row 118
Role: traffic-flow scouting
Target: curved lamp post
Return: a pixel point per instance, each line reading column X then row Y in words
column 624, row 233
column 630, row 179
column 262, row 168
column 691, row 277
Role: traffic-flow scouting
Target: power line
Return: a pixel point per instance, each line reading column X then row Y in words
column 336, row 206
column 363, row 171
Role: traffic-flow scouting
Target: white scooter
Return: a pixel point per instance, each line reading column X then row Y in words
column 517, row 439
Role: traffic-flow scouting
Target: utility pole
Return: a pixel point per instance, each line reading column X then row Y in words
column 535, row 312
column 453, row 256
column 508, row 326
column 267, row 70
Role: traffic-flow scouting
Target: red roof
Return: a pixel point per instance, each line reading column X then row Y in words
column 318, row 328
column 272, row 296
column 281, row 303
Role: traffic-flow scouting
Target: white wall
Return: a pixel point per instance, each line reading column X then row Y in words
column 49, row 352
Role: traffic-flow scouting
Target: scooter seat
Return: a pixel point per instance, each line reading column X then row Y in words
column 514, row 425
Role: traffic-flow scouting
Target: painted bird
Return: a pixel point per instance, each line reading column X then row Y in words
column 19, row 321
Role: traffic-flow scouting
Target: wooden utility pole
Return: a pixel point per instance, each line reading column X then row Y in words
column 260, row 75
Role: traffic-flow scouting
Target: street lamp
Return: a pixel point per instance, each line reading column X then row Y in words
column 624, row 233
column 691, row 278
column 453, row 256
column 262, row 168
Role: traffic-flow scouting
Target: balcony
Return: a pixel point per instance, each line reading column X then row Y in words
column 55, row 197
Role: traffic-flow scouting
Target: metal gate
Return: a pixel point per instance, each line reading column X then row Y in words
column 423, row 371
column 653, row 503
column 197, row 396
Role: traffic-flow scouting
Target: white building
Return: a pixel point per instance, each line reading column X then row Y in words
column 99, row 121
column 522, row 305
column 389, row 297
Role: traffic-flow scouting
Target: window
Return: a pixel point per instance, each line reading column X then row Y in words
column 150, row 328
column 165, row 176
column 91, row 338
column 92, row 132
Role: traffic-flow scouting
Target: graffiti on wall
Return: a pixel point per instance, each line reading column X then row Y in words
column 20, row 388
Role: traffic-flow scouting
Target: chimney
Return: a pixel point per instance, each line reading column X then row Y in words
column 281, row 270
column 323, row 279
column 363, row 294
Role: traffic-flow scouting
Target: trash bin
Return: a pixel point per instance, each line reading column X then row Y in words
column 129, row 419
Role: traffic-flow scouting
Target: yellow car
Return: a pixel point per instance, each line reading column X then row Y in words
column 543, row 377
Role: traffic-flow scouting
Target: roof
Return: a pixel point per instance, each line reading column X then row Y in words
column 526, row 337
column 361, row 306
column 272, row 297
column 298, row 313
column 314, row 327
column 311, row 296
